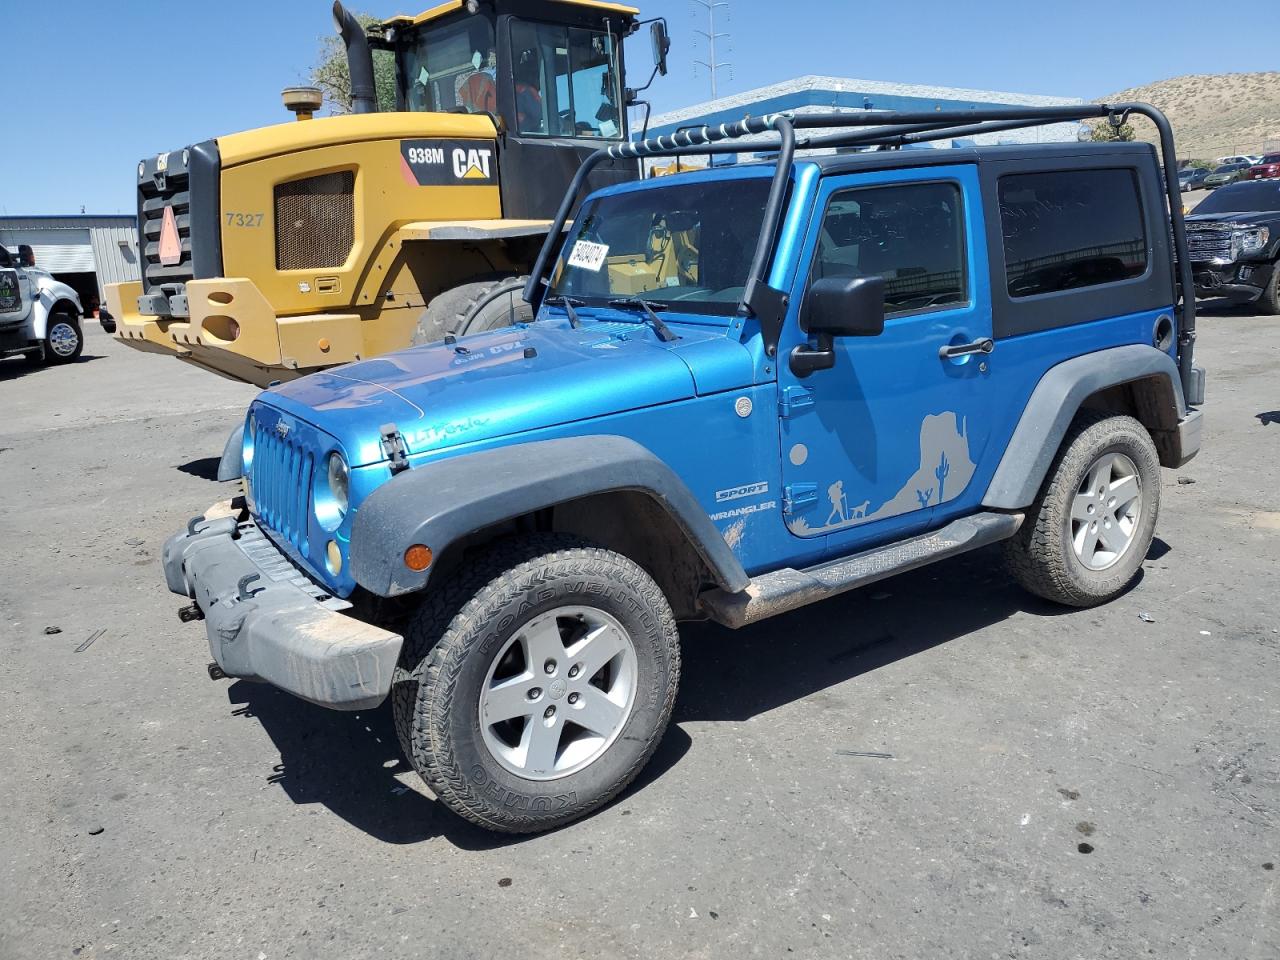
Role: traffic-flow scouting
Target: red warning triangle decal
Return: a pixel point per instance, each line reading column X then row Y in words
column 170, row 242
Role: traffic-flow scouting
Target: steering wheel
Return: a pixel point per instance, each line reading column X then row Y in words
column 479, row 94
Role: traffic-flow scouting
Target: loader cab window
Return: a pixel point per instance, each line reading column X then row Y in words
column 566, row 81
column 452, row 68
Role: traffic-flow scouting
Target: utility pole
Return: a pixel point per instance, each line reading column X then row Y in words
column 711, row 36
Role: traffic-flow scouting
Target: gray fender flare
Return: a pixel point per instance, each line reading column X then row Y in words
column 1054, row 404
column 231, row 466
column 441, row 502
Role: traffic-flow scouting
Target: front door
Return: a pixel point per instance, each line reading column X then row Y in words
column 886, row 441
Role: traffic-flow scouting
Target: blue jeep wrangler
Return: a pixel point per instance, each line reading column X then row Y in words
column 745, row 389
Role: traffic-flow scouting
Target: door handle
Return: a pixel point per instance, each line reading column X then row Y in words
column 985, row 345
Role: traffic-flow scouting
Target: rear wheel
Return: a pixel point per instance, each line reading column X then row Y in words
column 64, row 339
column 1089, row 529
column 473, row 307
column 535, row 684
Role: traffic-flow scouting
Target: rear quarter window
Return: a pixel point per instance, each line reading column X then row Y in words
column 1070, row 229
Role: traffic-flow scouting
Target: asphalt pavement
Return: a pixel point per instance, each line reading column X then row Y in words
column 1074, row 784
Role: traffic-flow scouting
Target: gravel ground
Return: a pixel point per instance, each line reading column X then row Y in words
column 1062, row 783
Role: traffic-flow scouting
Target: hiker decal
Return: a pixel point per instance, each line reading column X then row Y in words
column 945, row 470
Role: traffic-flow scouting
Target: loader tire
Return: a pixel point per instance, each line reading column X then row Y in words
column 471, row 308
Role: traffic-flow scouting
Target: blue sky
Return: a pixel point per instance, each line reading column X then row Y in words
column 117, row 88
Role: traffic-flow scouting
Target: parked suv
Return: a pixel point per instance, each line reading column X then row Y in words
column 39, row 316
column 1265, row 169
column 746, row 389
column 1234, row 241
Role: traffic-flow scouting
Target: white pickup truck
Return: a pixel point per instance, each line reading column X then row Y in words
column 39, row 316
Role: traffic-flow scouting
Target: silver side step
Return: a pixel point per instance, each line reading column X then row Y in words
column 786, row 589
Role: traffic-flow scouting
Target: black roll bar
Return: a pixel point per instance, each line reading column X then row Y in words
column 884, row 128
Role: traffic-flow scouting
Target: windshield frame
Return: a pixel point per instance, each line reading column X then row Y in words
column 1240, row 188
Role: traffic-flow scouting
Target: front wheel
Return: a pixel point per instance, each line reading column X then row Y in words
column 1088, row 531
column 537, row 683
column 473, row 307
column 64, row 340
column 1269, row 302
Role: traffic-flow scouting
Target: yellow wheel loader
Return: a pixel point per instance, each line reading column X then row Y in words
column 269, row 254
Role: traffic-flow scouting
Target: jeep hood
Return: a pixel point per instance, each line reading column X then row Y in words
column 510, row 381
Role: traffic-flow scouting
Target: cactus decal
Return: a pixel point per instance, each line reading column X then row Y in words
column 943, row 468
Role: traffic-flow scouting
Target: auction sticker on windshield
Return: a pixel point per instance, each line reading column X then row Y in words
column 588, row 255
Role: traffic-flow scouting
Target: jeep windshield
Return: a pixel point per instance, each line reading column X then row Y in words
column 687, row 245
column 1257, row 195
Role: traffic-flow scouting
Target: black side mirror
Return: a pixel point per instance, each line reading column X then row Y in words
column 26, row 256
column 661, row 44
column 837, row 307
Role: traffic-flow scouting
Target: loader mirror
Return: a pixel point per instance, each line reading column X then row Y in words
column 661, row 44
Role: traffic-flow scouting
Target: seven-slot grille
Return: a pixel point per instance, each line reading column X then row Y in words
column 281, row 474
column 1209, row 243
column 155, row 192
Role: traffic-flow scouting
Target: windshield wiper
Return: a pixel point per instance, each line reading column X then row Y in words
column 665, row 333
column 568, row 303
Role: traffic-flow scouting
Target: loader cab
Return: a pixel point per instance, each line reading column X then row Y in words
column 549, row 71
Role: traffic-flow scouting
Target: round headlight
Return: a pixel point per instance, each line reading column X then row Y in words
column 246, row 444
column 246, row 459
column 339, row 483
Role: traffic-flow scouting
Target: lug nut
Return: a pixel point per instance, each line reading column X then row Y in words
column 573, row 698
column 549, row 666
column 549, row 712
column 575, row 670
column 535, row 693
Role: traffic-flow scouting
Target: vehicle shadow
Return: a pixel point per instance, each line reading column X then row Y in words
column 11, row 368
column 350, row 762
column 206, row 468
column 738, row 675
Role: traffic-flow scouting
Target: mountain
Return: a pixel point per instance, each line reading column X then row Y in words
column 1214, row 115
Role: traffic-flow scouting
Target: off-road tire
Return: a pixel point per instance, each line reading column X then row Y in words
column 471, row 308
column 465, row 621
column 54, row 330
column 1040, row 555
column 1269, row 301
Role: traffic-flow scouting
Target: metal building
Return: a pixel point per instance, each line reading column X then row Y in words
column 813, row 94
column 86, row 251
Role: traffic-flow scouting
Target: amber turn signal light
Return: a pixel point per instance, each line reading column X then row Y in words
column 417, row 557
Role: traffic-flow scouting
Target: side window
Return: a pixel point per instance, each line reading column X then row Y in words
column 1070, row 229
column 566, row 82
column 4, row 258
column 912, row 235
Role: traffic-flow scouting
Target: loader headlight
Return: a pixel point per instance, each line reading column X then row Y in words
column 333, row 499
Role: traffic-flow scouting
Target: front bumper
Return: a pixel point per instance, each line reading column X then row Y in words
column 1242, row 282
column 267, row 621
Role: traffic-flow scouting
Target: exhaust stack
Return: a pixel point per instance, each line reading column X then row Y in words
column 364, row 98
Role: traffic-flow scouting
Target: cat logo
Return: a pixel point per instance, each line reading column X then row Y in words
column 471, row 164
column 448, row 163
